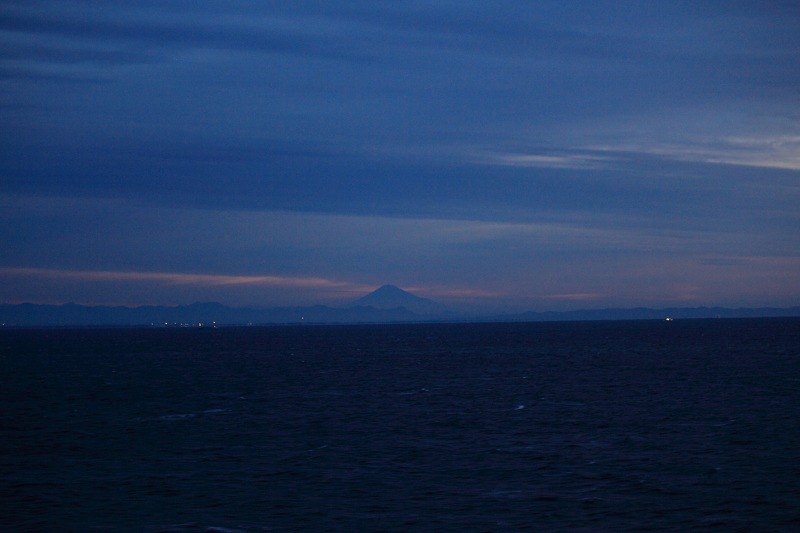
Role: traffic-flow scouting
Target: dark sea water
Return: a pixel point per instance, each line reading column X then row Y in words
column 603, row 426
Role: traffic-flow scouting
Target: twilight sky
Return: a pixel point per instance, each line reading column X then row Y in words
column 490, row 155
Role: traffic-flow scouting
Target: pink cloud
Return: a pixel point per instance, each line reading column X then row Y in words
column 578, row 296
column 177, row 278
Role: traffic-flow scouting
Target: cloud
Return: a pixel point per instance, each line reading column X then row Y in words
column 767, row 151
column 782, row 151
column 173, row 29
column 567, row 161
column 455, row 293
column 177, row 278
column 127, row 287
column 578, row 296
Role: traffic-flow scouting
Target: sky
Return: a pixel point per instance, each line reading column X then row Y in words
column 498, row 155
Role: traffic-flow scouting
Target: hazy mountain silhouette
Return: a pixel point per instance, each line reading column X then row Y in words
column 392, row 297
column 196, row 314
column 386, row 305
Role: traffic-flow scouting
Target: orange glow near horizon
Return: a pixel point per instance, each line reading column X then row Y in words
column 178, row 278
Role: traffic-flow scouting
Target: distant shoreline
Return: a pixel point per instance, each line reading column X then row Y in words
column 210, row 315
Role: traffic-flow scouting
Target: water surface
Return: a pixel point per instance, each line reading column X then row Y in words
column 617, row 426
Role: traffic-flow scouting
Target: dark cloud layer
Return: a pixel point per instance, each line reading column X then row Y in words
column 423, row 121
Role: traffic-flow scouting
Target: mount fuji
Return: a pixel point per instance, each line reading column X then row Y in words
column 392, row 297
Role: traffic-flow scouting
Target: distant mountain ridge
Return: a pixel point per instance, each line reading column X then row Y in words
column 647, row 313
column 196, row 314
column 212, row 313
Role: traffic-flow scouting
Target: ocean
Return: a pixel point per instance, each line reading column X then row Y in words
column 688, row 425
